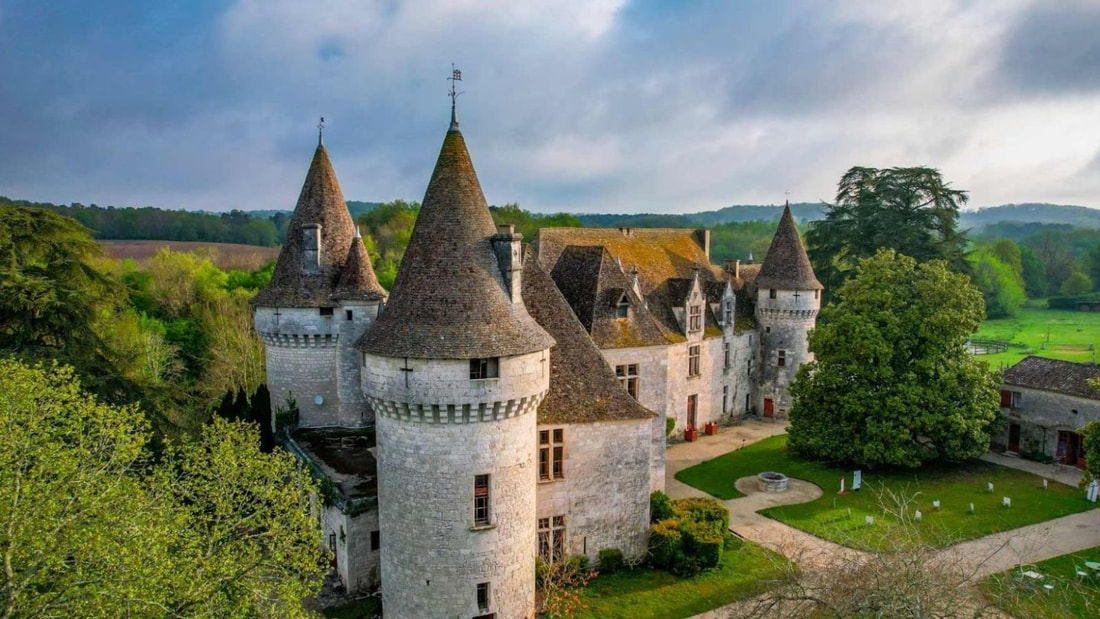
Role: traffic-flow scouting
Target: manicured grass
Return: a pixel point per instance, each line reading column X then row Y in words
column 1072, row 595
column 1070, row 334
column 842, row 518
column 645, row 593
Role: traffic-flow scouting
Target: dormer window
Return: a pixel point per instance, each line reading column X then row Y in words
column 695, row 318
column 622, row 308
column 489, row 367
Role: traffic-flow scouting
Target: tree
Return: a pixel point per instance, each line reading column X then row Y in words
column 80, row 535
column 1090, row 443
column 910, row 210
column 51, row 294
column 1001, row 285
column 90, row 526
column 1077, row 283
column 892, row 383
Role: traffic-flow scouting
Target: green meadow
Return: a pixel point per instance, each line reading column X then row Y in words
column 1057, row 334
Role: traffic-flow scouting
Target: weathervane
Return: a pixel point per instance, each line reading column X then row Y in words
column 321, row 132
column 456, row 76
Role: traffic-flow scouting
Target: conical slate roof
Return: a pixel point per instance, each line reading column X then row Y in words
column 448, row 300
column 357, row 280
column 321, row 203
column 787, row 266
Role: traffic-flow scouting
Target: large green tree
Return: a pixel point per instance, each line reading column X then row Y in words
column 911, row 210
column 892, row 383
column 90, row 526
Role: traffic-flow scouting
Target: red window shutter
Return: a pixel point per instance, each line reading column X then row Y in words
column 1006, row 398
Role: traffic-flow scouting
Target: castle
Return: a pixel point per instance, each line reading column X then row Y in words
column 506, row 401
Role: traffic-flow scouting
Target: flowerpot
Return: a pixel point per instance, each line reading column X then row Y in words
column 691, row 434
column 710, row 429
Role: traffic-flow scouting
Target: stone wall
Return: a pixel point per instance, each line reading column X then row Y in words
column 300, row 352
column 605, row 493
column 434, row 436
column 433, row 556
column 1041, row 414
column 652, row 364
column 352, row 319
column 356, row 563
column 785, row 323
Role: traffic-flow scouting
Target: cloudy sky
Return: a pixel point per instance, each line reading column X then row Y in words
column 576, row 105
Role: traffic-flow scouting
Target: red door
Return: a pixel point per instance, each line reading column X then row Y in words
column 693, row 402
column 1069, row 448
column 1014, row 437
column 769, row 408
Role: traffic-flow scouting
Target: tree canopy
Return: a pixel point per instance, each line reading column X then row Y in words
column 892, row 383
column 93, row 527
column 910, row 210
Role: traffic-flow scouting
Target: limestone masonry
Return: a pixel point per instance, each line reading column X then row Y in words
column 508, row 401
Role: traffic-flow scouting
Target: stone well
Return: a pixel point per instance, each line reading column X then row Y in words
column 770, row 481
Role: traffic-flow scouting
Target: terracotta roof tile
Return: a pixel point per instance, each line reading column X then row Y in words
column 1053, row 375
column 787, row 266
column 321, row 202
column 448, row 300
column 583, row 388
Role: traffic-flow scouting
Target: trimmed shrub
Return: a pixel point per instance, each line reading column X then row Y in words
column 703, row 510
column 611, row 560
column 660, row 507
column 665, row 542
column 702, row 543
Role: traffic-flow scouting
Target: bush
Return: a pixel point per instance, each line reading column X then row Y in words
column 692, row 539
column 660, row 507
column 665, row 543
column 611, row 560
column 670, row 425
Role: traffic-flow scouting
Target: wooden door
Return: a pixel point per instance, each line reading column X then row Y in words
column 769, row 407
column 1014, row 437
column 693, row 401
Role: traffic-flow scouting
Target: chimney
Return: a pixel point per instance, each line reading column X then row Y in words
column 733, row 267
column 703, row 236
column 508, row 247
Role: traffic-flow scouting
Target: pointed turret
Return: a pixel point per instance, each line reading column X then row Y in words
column 450, row 300
column 357, row 279
column 317, row 241
column 787, row 266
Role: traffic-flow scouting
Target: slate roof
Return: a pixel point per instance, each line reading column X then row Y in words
column 320, row 202
column 448, row 300
column 357, row 280
column 787, row 266
column 1064, row 377
column 592, row 283
column 666, row 259
column 583, row 388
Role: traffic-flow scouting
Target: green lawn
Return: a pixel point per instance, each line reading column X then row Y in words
column 646, row 593
column 1072, row 595
column 1070, row 335
column 842, row 518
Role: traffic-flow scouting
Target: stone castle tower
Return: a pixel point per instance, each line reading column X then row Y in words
column 321, row 298
column 454, row 370
column 788, row 298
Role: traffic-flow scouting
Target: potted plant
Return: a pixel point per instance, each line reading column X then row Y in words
column 710, row 429
column 691, row 434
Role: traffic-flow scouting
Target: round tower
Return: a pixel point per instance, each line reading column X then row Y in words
column 455, row 369
column 321, row 298
column 788, row 298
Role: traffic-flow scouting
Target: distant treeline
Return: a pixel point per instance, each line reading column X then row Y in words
column 149, row 222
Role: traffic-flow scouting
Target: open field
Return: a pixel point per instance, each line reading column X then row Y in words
column 841, row 518
column 1057, row 334
column 653, row 594
column 227, row 256
column 1071, row 595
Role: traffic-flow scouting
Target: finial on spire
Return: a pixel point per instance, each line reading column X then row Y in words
column 456, row 76
column 321, row 132
column 358, row 232
column 788, row 194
